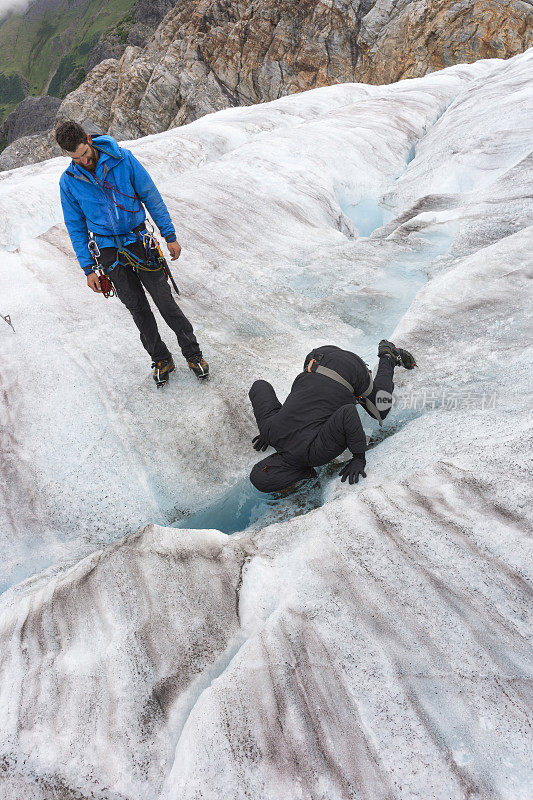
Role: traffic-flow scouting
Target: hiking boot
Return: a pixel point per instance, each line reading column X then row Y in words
column 400, row 357
column 162, row 370
column 199, row 366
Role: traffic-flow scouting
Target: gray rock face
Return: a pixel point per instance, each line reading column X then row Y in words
column 33, row 115
column 208, row 56
column 29, row 150
column 90, row 104
column 139, row 34
column 151, row 12
column 147, row 16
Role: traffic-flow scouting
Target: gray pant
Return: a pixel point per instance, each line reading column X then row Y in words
column 130, row 285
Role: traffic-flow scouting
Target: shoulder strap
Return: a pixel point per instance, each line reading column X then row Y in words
column 330, row 373
column 363, row 398
column 371, row 408
column 370, row 385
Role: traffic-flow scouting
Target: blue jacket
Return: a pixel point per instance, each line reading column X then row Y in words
column 89, row 206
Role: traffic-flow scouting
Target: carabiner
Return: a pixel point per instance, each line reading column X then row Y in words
column 94, row 250
column 149, row 241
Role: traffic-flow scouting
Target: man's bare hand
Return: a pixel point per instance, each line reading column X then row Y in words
column 93, row 282
column 174, row 249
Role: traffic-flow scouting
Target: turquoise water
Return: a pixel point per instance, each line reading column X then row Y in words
column 367, row 215
column 243, row 507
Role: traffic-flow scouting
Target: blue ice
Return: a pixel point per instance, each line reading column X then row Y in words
column 243, row 507
column 367, row 215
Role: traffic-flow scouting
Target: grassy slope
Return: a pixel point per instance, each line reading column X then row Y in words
column 46, row 48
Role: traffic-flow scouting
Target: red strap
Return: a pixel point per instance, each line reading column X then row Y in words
column 105, row 185
column 108, row 290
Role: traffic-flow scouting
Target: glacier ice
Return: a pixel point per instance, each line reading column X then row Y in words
column 377, row 646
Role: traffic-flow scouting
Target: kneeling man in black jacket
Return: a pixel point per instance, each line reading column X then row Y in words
column 319, row 418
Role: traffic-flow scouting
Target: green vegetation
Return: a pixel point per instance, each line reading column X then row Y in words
column 64, row 70
column 124, row 26
column 67, row 69
column 11, row 89
column 11, row 94
column 40, row 51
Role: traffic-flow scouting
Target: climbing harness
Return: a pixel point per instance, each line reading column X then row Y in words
column 154, row 260
column 7, row 319
column 154, row 253
column 362, row 399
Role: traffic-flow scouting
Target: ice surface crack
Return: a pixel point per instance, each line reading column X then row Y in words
column 222, row 664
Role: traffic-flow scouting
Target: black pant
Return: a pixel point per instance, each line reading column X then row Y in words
column 277, row 472
column 130, row 285
column 383, row 386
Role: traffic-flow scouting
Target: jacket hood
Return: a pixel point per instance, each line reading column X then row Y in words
column 108, row 145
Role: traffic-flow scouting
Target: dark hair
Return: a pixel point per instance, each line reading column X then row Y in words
column 69, row 135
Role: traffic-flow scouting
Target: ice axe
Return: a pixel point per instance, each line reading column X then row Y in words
column 151, row 243
column 167, row 268
column 7, row 319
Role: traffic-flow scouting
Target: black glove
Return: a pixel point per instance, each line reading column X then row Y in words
column 352, row 469
column 260, row 443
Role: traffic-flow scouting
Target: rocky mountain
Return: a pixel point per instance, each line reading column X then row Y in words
column 49, row 49
column 209, row 55
column 33, row 115
column 44, row 48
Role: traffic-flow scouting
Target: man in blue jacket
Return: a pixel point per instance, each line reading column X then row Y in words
column 104, row 192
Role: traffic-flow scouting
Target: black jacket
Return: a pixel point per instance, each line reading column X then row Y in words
column 313, row 399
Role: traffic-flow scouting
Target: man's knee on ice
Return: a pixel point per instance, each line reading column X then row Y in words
column 273, row 474
column 258, row 387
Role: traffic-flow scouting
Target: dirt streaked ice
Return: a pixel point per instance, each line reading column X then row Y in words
column 376, row 647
